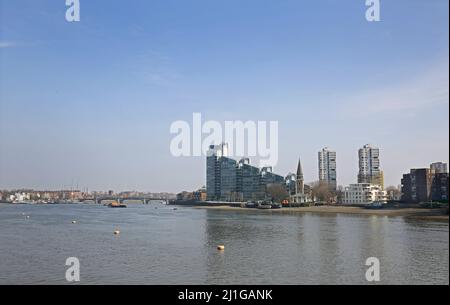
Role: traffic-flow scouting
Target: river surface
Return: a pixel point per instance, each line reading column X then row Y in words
column 160, row 245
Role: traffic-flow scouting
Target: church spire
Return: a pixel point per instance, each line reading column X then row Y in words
column 299, row 169
column 300, row 182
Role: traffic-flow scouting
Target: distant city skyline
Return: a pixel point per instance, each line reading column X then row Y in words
column 91, row 102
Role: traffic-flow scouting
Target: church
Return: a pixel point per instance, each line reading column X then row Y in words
column 301, row 193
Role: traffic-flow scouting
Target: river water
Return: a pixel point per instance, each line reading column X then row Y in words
column 160, row 245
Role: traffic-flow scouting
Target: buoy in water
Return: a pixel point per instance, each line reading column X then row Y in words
column 116, row 232
column 28, row 216
column 74, row 221
column 220, row 247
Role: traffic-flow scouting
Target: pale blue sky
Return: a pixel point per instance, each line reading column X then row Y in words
column 93, row 101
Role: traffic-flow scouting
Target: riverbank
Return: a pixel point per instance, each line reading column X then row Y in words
column 417, row 213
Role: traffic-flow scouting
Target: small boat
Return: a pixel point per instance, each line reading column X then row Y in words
column 276, row 205
column 375, row 205
column 264, row 206
column 115, row 204
column 251, row 205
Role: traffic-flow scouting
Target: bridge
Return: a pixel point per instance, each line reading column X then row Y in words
column 145, row 200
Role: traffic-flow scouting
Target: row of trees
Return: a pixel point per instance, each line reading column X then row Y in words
column 321, row 192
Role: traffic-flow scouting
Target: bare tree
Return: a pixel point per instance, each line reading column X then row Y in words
column 340, row 193
column 394, row 193
column 277, row 192
column 322, row 192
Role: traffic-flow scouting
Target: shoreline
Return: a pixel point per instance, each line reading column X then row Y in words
column 413, row 213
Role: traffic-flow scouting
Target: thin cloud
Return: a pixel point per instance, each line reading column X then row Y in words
column 428, row 89
column 157, row 69
column 7, row 44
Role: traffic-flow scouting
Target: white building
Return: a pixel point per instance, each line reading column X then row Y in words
column 327, row 167
column 364, row 193
column 19, row 196
column 369, row 166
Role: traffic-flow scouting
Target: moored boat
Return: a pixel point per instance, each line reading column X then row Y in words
column 375, row 205
column 264, row 205
column 116, row 204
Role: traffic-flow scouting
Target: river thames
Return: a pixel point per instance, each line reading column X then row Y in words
column 160, row 245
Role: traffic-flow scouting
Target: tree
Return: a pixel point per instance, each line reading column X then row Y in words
column 394, row 193
column 277, row 192
column 340, row 193
column 322, row 192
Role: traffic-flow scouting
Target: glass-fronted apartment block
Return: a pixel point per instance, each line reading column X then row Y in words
column 248, row 181
column 228, row 180
column 228, row 173
column 268, row 177
column 214, row 154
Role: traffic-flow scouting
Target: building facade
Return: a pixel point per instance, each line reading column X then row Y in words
column 364, row 193
column 213, row 181
column 439, row 187
column 439, row 167
column 199, row 195
column 369, row 166
column 247, row 180
column 426, row 184
column 228, row 180
column 327, row 167
column 269, row 177
column 416, row 186
column 228, row 177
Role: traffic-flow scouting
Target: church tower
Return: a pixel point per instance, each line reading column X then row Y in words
column 300, row 181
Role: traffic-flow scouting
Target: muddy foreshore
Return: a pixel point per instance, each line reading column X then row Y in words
column 417, row 213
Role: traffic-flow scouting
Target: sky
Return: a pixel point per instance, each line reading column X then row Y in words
column 90, row 103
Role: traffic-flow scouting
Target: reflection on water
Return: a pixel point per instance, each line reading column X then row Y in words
column 158, row 245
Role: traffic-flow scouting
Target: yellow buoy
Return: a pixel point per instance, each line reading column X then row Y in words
column 220, row 247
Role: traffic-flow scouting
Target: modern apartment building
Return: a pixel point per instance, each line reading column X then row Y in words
column 213, row 181
column 269, row 177
column 439, row 187
column 327, row 167
column 248, row 181
column 228, row 180
column 439, row 167
column 364, row 193
column 416, row 186
column 369, row 166
column 425, row 184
